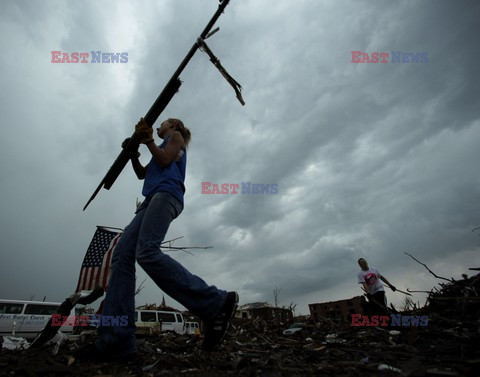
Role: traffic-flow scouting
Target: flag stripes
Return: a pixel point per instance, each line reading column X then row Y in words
column 96, row 266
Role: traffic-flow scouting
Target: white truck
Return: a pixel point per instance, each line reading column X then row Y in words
column 159, row 319
column 27, row 318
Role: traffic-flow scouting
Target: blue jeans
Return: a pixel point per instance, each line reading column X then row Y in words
column 141, row 241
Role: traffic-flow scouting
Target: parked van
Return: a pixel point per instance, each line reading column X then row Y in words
column 159, row 320
column 27, row 318
column 192, row 328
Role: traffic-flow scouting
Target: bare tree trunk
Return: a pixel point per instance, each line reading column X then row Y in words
column 276, row 293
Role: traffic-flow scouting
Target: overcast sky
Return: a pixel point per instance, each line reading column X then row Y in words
column 371, row 160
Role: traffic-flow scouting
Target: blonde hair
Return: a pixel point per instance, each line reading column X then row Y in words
column 180, row 127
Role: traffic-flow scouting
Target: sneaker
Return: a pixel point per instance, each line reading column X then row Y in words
column 217, row 327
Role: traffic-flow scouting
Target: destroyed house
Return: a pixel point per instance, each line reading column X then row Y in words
column 337, row 310
column 264, row 311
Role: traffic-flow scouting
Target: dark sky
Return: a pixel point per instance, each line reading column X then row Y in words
column 370, row 160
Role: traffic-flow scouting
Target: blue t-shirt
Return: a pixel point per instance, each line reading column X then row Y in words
column 170, row 179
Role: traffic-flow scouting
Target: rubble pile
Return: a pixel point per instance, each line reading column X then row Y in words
column 446, row 346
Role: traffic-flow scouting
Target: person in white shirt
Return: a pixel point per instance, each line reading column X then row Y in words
column 371, row 281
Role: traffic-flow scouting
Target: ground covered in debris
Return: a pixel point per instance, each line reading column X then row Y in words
column 447, row 346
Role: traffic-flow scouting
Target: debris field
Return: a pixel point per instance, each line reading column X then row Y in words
column 447, row 346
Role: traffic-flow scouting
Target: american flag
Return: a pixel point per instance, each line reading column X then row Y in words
column 96, row 265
